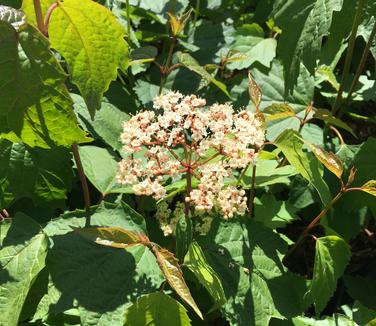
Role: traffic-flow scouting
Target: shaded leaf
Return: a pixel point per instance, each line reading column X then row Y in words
column 196, row 262
column 43, row 175
column 330, row 160
column 115, row 237
column 290, row 143
column 21, row 259
column 326, row 116
column 35, row 107
column 174, row 276
column 188, row 61
column 247, row 258
column 101, row 282
column 304, row 24
column 156, row 309
column 331, row 258
column 362, row 289
column 326, row 73
column 93, row 48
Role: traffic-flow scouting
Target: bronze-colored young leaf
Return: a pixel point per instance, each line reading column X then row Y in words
column 174, row 276
column 115, row 237
column 370, row 187
column 278, row 111
column 178, row 24
column 330, row 160
column 254, row 91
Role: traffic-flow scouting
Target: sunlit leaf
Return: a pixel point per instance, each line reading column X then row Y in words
column 196, row 262
column 115, row 237
column 278, row 111
column 174, row 276
column 330, row 160
column 331, row 258
column 254, row 91
column 326, row 116
column 93, row 48
column 369, row 187
column 12, row 16
column 156, row 309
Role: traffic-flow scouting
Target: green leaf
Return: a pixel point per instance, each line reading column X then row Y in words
column 362, row 315
column 362, row 289
column 114, row 236
column 189, row 62
column 183, row 234
column 35, row 106
column 174, row 276
column 273, row 213
column 45, row 176
column 156, row 309
column 290, row 143
column 93, row 48
column 304, row 24
column 12, row 16
column 268, row 173
column 336, row 320
column 249, row 41
column 28, row 9
column 100, row 168
column 325, row 115
column 196, row 262
column 273, row 90
column 247, row 258
column 326, row 73
column 331, row 258
column 21, row 259
column 107, row 123
column 100, row 281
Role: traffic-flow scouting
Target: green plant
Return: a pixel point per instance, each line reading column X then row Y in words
column 125, row 202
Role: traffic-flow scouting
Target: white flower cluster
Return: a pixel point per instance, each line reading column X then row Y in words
column 168, row 219
column 205, row 135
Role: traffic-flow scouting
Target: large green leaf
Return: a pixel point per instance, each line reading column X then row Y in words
column 250, row 42
column 156, row 309
column 92, row 42
column 107, row 123
column 290, row 143
column 99, row 280
column 196, row 262
column 21, row 259
column 43, row 175
column 304, row 24
column 247, row 258
column 362, row 289
column 100, row 168
column 336, row 320
column 331, row 258
column 35, row 106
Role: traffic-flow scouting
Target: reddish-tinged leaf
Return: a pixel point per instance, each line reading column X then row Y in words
column 330, row 160
column 174, row 276
column 254, row 91
column 115, row 237
column 278, row 111
column 369, row 187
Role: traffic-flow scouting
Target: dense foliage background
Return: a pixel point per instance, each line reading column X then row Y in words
column 70, row 76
